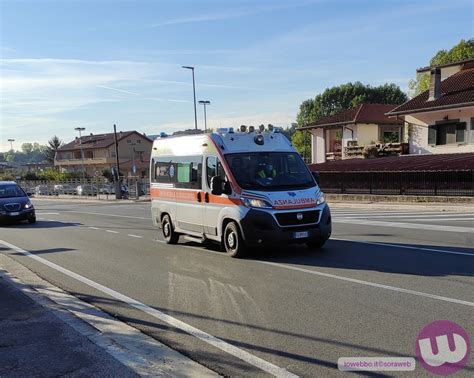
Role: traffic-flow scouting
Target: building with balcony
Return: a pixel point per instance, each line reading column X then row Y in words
column 96, row 152
column 344, row 135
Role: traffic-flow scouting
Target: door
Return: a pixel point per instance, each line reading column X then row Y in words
column 213, row 204
column 189, row 196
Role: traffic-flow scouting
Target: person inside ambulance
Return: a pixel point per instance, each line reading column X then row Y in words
column 265, row 170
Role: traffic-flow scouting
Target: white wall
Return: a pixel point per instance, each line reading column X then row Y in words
column 418, row 137
column 318, row 151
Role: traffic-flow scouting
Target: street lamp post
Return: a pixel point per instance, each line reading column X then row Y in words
column 11, row 143
column 204, row 103
column 80, row 129
column 194, row 94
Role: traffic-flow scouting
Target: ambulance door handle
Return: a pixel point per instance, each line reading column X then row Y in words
column 199, row 197
column 206, row 197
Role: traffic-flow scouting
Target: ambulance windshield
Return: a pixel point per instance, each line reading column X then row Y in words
column 270, row 170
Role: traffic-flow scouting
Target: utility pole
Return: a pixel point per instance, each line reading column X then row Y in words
column 118, row 186
column 80, row 129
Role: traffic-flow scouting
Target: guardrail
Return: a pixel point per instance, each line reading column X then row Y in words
column 423, row 183
column 96, row 188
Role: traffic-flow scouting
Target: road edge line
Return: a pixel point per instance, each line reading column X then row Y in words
column 144, row 355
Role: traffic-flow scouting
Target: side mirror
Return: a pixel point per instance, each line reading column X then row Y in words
column 316, row 176
column 216, row 185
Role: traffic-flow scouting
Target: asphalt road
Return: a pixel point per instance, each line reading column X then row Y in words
column 383, row 276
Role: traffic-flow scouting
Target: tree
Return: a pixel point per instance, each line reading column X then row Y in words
column 338, row 98
column 463, row 50
column 54, row 144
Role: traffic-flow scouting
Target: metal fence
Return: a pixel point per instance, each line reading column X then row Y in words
column 99, row 188
column 425, row 183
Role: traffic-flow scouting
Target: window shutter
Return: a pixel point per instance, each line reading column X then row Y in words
column 461, row 132
column 432, row 135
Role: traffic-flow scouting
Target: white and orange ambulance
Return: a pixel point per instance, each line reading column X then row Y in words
column 241, row 189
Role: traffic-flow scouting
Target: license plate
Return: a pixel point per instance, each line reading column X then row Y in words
column 301, row 234
column 14, row 213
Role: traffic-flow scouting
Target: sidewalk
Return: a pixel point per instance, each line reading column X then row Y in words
column 45, row 331
column 34, row 342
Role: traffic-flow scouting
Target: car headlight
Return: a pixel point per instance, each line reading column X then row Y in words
column 28, row 205
column 320, row 198
column 258, row 203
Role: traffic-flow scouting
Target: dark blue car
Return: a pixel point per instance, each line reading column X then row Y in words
column 15, row 205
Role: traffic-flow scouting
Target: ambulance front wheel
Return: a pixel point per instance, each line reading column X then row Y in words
column 170, row 236
column 233, row 242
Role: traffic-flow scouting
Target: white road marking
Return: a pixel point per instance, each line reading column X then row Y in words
column 112, row 231
column 368, row 283
column 38, row 213
column 94, row 228
column 408, row 216
column 107, row 215
column 416, row 226
column 134, row 236
column 203, row 336
column 407, row 247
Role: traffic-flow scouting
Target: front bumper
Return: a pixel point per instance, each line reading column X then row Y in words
column 259, row 227
column 21, row 215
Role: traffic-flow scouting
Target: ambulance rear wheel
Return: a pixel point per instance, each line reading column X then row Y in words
column 170, row 236
column 233, row 242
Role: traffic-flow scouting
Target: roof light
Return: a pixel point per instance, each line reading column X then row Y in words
column 270, row 127
column 231, row 130
column 243, row 128
column 259, row 140
column 163, row 135
column 251, row 129
column 261, row 128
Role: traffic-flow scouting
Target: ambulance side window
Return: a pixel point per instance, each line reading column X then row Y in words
column 189, row 172
column 164, row 170
column 214, row 168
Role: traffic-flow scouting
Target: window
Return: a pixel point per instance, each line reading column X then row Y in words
column 471, row 138
column 447, row 133
column 180, row 171
column 214, row 168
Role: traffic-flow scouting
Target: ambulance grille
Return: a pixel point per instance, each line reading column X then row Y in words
column 291, row 218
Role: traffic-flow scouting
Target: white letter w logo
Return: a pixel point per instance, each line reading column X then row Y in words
column 444, row 353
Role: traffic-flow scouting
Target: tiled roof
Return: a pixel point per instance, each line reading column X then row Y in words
column 98, row 140
column 456, row 91
column 436, row 162
column 364, row 113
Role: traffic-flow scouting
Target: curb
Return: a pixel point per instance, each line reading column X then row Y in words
column 139, row 352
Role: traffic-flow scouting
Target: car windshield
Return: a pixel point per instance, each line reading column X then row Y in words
column 270, row 170
column 11, row 190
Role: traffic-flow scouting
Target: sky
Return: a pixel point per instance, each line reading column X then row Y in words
column 95, row 63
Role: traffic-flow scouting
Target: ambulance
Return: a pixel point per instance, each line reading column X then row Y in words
column 242, row 189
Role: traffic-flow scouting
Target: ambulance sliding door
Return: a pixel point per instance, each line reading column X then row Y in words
column 189, row 199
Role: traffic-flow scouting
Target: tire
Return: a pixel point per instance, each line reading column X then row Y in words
column 32, row 220
column 170, row 236
column 233, row 242
column 316, row 244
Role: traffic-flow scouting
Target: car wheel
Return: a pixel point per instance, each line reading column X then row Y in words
column 316, row 244
column 32, row 220
column 170, row 236
column 233, row 242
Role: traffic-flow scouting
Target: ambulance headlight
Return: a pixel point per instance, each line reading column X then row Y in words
column 320, row 198
column 256, row 203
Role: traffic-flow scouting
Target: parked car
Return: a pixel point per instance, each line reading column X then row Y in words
column 107, row 189
column 15, row 204
column 44, row 190
column 86, row 190
column 64, row 189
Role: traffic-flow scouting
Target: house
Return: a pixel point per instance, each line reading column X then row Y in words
column 96, row 152
column 344, row 134
column 441, row 119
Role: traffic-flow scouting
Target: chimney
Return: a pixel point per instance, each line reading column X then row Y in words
column 435, row 84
